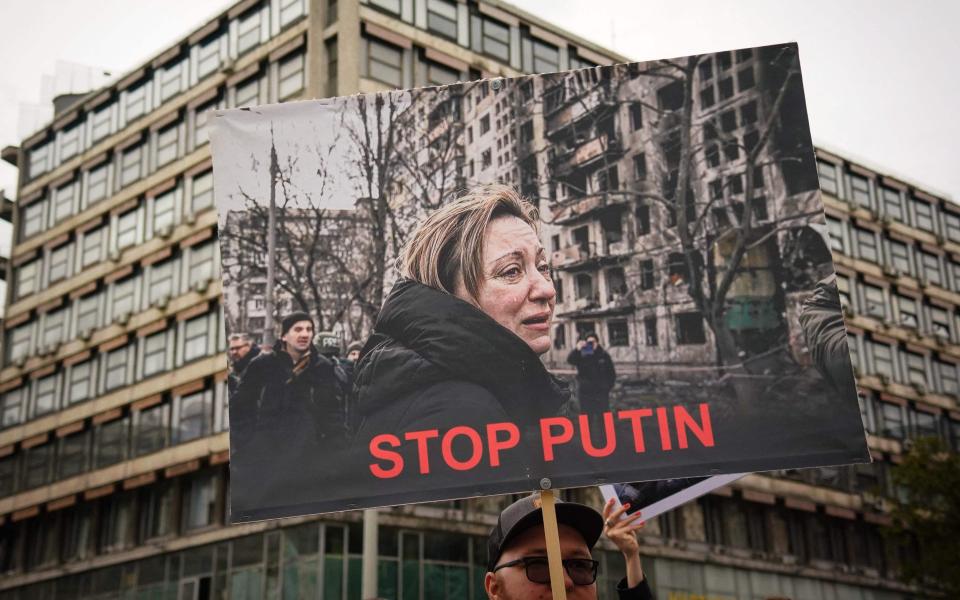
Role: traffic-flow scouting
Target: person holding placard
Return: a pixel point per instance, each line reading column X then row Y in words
column 517, row 565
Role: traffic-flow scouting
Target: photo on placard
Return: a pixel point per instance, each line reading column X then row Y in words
column 653, row 498
column 616, row 273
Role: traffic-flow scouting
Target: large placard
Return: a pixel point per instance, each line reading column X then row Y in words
column 669, row 313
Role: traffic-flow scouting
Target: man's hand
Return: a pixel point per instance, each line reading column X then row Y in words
column 623, row 533
column 581, row 344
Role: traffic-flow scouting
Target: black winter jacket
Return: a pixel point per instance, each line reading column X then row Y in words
column 435, row 362
column 595, row 372
column 238, row 368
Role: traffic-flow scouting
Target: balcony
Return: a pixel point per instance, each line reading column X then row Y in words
column 579, row 257
column 577, row 209
column 571, row 108
column 593, row 153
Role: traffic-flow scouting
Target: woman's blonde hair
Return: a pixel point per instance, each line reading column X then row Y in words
column 450, row 241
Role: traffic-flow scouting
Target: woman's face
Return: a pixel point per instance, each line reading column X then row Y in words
column 516, row 290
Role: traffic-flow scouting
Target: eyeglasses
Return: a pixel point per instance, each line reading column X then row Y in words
column 583, row 571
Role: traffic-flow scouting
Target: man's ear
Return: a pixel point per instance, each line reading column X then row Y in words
column 492, row 585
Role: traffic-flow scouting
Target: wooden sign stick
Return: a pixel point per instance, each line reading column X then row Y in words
column 552, row 533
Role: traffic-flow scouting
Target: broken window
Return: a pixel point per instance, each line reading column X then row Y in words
column 558, row 286
column 670, row 97
column 643, row 219
column 559, row 336
column 745, row 79
column 640, row 169
column 723, row 61
column 650, row 331
column 726, row 88
column 616, row 284
column 690, row 328
column 581, row 238
column 728, row 121
column 647, row 279
column 706, row 97
column 618, row 333
column 706, row 69
column 748, row 113
column 584, row 287
column 731, row 150
column 612, row 226
column 608, row 180
column 555, row 242
column 636, row 115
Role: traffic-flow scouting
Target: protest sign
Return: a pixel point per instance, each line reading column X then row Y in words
column 653, row 498
column 668, row 314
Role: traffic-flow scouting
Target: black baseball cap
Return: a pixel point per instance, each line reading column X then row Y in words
column 525, row 513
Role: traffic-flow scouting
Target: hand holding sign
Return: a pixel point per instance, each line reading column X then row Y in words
column 622, row 531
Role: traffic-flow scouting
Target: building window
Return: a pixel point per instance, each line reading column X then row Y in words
column 647, row 275
column 290, row 76
column 208, row 57
column 538, row 56
column 951, row 225
column 490, row 37
column 164, row 212
column 248, row 31
column 97, row 184
column 907, row 309
column 939, row 322
column 484, row 124
column 384, row 62
column 195, row 416
column 101, row 123
column 828, row 177
column 80, row 382
column 290, row 11
column 930, row 267
column 31, row 219
column 442, row 18
column 922, row 214
column 73, row 455
column 202, row 266
column 867, row 245
column 199, row 507
column 876, row 305
column 11, row 406
column 158, row 506
column 59, row 264
column 117, row 522
column 892, row 415
column 916, row 368
column 161, row 281
column 171, row 80
column 892, row 203
column 91, row 246
column 27, row 278
column 390, row 6
column 332, row 63
column 860, row 191
column 115, row 368
column 155, row 353
column 131, row 162
column 900, row 256
column 87, row 314
column 8, row 477
column 201, row 192
column 46, row 395
column 948, row 382
column 63, row 202
column 439, row 74
column 924, row 424
column 690, row 328
column 640, row 169
column 111, row 442
column 618, row 333
column 54, row 327
column 135, row 102
column 882, row 359
column 151, row 429
column 40, row 159
column 168, row 141
column 195, row 337
column 127, row 228
column 18, row 343
column 835, row 229
column 247, row 93
column 37, row 466
column 201, row 119
column 650, row 331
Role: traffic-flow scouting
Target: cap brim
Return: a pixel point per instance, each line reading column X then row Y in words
column 584, row 519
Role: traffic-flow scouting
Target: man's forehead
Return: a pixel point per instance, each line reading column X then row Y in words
column 532, row 543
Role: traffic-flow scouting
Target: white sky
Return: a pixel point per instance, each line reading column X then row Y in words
column 880, row 75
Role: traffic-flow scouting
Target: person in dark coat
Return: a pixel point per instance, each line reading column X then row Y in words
column 289, row 405
column 458, row 339
column 517, row 563
column 241, row 351
column 596, row 375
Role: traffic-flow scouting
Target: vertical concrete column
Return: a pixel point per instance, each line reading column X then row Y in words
column 349, row 51
column 316, row 49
